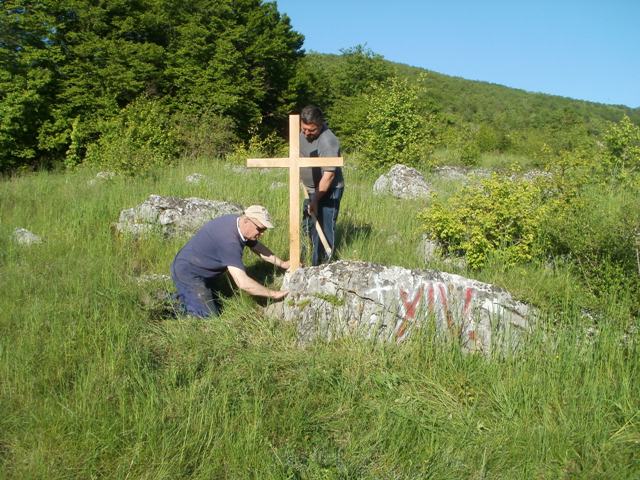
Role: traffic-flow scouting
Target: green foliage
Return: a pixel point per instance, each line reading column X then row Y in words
column 359, row 70
column 395, row 130
column 258, row 147
column 70, row 65
column 28, row 78
column 623, row 147
column 237, row 57
column 599, row 231
column 498, row 217
column 347, row 118
column 204, row 134
column 340, row 87
column 137, row 141
column 327, row 81
column 75, row 152
column 594, row 212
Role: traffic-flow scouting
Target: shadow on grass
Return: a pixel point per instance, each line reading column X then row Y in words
column 347, row 232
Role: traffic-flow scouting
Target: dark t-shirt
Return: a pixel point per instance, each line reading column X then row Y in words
column 216, row 246
column 326, row 145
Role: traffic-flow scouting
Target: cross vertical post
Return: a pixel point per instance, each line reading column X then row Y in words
column 294, row 192
column 293, row 163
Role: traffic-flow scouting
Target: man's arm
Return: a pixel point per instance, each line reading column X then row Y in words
column 268, row 256
column 249, row 285
column 321, row 191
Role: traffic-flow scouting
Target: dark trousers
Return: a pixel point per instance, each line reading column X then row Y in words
column 327, row 214
column 197, row 296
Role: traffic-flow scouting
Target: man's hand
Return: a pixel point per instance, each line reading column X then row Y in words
column 285, row 264
column 279, row 294
column 312, row 209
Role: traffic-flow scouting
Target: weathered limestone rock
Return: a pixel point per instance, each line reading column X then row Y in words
column 22, row 236
column 195, row 178
column 101, row 177
column 387, row 303
column 402, row 182
column 172, row 216
column 240, row 169
column 431, row 251
column 451, row 173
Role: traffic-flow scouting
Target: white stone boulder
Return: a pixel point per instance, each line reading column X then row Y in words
column 389, row 303
column 402, row 182
column 22, row 236
column 172, row 216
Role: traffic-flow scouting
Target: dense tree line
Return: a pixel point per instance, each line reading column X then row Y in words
column 67, row 65
column 74, row 74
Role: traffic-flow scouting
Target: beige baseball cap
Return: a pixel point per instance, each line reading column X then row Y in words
column 259, row 214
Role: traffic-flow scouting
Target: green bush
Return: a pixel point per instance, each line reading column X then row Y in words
column 623, row 147
column 499, row 216
column 258, row 147
column 598, row 227
column 206, row 134
column 394, row 129
column 137, row 141
column 347, row 118
column 593, row 214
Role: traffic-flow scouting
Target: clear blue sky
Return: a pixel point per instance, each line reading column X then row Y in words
column 587, row 49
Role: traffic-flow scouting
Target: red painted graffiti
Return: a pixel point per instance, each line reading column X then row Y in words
column 468, row 297
column 411, row 305
column 410, row 309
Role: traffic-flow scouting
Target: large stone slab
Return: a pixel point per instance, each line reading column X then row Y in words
column 172, row 216
column 388, row 303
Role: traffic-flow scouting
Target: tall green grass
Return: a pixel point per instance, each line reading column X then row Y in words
column 93, row 384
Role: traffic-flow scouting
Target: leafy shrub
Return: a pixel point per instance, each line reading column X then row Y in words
column 347, row 118
column 492, row 139
column 593, row 214
column 469, row 153
column 137, row 141
column 206, row 134
column 395, row 130
column 499, row 216
column 599, row 231
column 593, row 218
column 623, row 146
column 258, row 147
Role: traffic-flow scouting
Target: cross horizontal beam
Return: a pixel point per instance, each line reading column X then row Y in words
column 292, row 162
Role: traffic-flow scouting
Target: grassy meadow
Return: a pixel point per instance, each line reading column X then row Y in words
column 95, row 384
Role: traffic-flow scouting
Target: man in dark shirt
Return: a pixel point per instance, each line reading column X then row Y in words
column 323, row 184
column 217, row 248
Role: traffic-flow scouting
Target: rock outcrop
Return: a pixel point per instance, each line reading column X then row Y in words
column 402, row 182
column 22, row 236
column 172, row 216
column 389, row 303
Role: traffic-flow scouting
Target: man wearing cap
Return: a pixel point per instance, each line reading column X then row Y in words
column 323, row 184
column 217, row 247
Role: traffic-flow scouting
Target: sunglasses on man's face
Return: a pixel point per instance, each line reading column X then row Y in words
column 258, row 227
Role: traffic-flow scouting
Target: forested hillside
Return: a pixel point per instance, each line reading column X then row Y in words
column 197, row 77
column 471, row 117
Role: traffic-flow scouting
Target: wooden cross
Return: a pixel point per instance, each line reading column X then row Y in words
column 293, row 163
